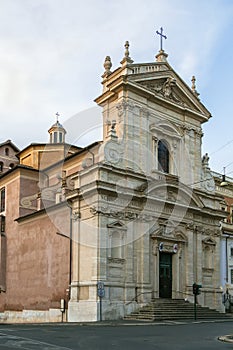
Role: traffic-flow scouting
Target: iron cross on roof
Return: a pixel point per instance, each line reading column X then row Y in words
column 161, row 37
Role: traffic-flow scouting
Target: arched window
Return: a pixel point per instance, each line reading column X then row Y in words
column 1, row 167
column 7, row 151
column 11, row 166
column 60, row 137
column 55, row 137
column 163, row 156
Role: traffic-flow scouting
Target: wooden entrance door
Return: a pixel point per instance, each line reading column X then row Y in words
column 165, row 275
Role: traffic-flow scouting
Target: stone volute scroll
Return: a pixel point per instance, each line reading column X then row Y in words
column 112, row 148
column 29, row 201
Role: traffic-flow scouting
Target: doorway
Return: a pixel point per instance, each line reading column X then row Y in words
column 165, row 275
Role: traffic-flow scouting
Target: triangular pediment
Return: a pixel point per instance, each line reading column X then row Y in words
column 180, row 236
column 209, row 241
column 168, row 231
column 172, row 89
column 117, row 225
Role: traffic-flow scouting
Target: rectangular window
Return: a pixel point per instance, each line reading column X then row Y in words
column 55, row 137
column 2, row 223
column 2, row 200
column 116, row 245
column 231, row 251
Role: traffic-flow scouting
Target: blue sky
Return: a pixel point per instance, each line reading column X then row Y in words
column 52, row 53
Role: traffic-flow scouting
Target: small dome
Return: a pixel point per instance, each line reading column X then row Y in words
column 57, row 132
column 57, row 125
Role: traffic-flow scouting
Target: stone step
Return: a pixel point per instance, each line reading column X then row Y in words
column 188, row 310
column 178, row 309
column 167, row 316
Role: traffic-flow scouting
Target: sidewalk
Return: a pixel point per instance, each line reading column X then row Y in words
column 120, row 323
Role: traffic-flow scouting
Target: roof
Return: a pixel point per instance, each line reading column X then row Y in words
column 10, row 143
column 18, row 166
column 34, row 144
column 57, row 125
column 81, row 150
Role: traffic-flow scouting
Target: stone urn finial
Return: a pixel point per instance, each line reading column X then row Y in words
column 107, row 65
column 126, row 49
column 126, row 58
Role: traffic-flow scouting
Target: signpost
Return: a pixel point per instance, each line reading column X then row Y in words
column 101, row 294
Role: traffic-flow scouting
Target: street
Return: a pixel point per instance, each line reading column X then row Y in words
column 119, row 336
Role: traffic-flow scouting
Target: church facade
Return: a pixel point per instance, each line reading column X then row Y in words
column 120, row 222
column 151, row 211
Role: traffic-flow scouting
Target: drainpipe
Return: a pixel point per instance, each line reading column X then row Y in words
column 226, row 252
column 71, row 238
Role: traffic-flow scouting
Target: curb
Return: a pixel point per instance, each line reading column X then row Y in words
column 123, row 323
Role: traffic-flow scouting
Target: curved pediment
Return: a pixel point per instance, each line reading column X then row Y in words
column 165, row 128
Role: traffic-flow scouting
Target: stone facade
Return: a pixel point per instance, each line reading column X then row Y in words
column 151, row 232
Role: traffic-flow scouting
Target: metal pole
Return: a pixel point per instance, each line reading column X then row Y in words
column 195, row 307
column 100, row 308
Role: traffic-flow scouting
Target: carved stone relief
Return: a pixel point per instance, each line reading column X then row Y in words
column 165, row 89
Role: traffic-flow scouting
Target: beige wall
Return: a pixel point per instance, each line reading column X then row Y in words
column 37, row 248
column 37, row 265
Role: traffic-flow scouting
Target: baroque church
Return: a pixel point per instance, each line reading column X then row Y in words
column 135, row 215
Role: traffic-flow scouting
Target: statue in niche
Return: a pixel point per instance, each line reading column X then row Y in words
column 205, row 160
